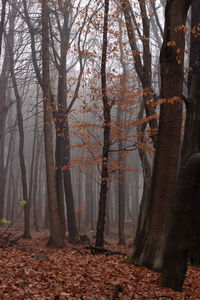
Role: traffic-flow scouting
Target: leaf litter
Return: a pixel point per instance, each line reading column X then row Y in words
column 30, row 270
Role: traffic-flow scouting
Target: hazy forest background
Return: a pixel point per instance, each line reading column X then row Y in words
column 99, row 146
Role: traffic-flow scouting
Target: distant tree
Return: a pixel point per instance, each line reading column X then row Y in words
column 2, row 21
column 10, row 46
column 4, row 106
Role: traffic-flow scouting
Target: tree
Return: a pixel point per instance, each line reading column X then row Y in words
column 3, row 13
column 183, row 241
column 106, row 136
column 10, row 44
column 56, row 226
column 142, row 64
column 149, row 251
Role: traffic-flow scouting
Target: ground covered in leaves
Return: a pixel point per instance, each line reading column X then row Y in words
column 29, row 270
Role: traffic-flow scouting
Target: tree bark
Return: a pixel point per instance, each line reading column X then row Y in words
column 183, row 240
column 3, row 116
column 3, row 13
column 10, row 44
column 184, row 231
column 56, row 226
column 106, row 136
column 149, row 251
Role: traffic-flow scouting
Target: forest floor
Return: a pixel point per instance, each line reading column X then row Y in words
column 30, row 270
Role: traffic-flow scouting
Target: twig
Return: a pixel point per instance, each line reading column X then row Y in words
column 79, row 251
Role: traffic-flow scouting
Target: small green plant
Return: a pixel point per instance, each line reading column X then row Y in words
column 22, row 202
column 129, row 259
column 4, row 222
column 162, row 281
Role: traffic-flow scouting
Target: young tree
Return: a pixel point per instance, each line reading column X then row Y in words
column 106, row 136
column 10, row 46
column 2, row 21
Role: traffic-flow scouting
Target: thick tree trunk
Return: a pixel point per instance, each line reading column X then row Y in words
column 106, row 137
column 183, row 240
column 149, row 251
column 184, row 232
column 56, row 226
column 192, row 106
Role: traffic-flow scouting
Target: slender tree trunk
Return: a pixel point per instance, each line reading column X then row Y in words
column 143, row 69
column 107, row 219
column 10, row 160
column 88, row 199
column 106, row 136
column 144, row 206
column 63, row 173
column 31, row 189
column 10, row 42
column 121, row 161
column 15, row 188
column 56, row 226
column 3, row 13
column 35, row 182
column 135, row 212
column 3, row 116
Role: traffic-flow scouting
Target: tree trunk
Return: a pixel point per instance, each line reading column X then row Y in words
column 10, row 42
column 149, row 251
column 3, row 13
column 62, row 155
column 3, row 116
column 88, row 199
column 106, row 137
column 184, row 234
column 144, row 206
column 31, row 188
column 10, row 159
column 56, row 226
column 35, row 181
column 184, row 231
